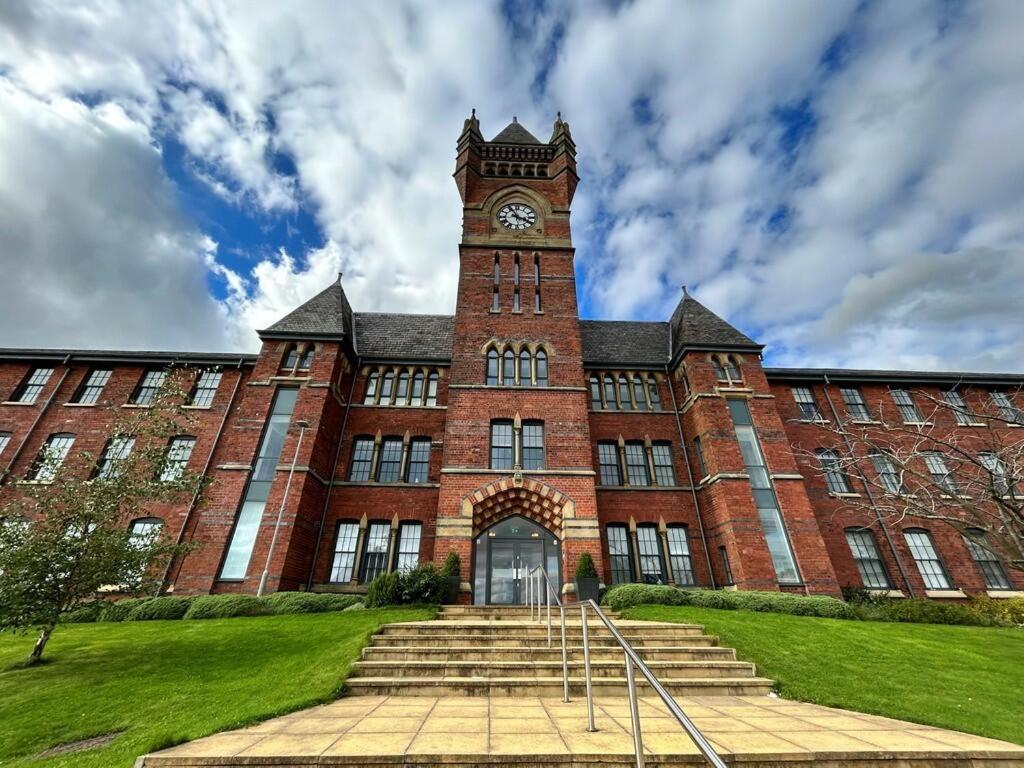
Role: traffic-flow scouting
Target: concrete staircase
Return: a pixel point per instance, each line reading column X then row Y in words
column 487, row 650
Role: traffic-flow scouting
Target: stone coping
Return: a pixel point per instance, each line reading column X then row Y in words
column 397, row 730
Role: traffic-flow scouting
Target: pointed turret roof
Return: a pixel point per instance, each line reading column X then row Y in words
column 326, row 315
column 694, row 325
column 514, row 133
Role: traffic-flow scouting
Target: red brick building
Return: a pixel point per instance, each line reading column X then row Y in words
column 513, row 432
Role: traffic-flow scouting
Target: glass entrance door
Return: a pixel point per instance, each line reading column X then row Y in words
column 505, row 554
column 511, row 562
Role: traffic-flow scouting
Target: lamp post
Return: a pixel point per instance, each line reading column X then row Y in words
column 303, row 426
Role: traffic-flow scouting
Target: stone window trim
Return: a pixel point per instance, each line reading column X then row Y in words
column 497, row 451
column 625, row 391
column 505, row 361
column 640, row 552
column 349, row 552
column 647, row 446
column 297, row 357
column 408, row 386
column 374, row 467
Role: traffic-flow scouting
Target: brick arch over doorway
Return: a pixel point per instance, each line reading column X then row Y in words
column 530, row 499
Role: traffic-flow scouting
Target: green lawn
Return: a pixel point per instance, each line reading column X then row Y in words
column 164, row 682
column 966, row 678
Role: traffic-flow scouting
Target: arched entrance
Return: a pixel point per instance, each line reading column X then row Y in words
column 504, row 554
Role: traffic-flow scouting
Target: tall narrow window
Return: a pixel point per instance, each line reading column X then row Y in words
column 515, row 285
column 855, row 405
column 764, row 495
column 806, row 405
column 723, row 554
column 114, row 453
column 664, row 474
column 495, row 298
column 609, row 393
column 344, row 552
column 419, row 460
column 432, row 389
column 732, row 369
column 306, row 360
column 595, row 394
column 501, row 445
column 408, row 546
column 525, row 368
column 533, row 445
column 939, row 471
column 5, row 438
column 179, row 451
column 835, row 478
column 906, row 406
column 624, row 399
column 508, row 368
column 387, row 388
column 998, row 475
column 619, row 555
column 653, row 394
column 636, row 464
column 1008, row 410
column 652, row 569
column 720, row 373
column 402, row 392
column 492, row 367
column 608, row 461
column 291, row 357
column 990, row 566
column 638, row 394
column 679, row 555
column 867, row 558
column 390, row 464
column 151, row 383
column 542, row 368
column 91, row 389
column 205, row 389
column 698, row 452
column 243, row 537
column 416, row 398
column 371, row 388
column 922, row 548
column 536, row 284
column 956, row 403
column 51, row 457
column 362, row 460
column 888, row 475
column 32, row 386
column 375, row 551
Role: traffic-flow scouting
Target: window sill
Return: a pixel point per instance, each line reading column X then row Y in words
column 918, row 424
column 494, row 311
column 949, row 594
column 864, row 421
column 17, row 402
column 814, row 421
column 79, row 405
column 33, row 482
column 373, row 484
column 292, row 377
column 134, row 405
column 850, row 495
column 196, row 407
column 1002, row 594
column 893, row 593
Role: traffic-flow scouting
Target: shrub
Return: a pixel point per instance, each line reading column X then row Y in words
column 118, row 610
column 355, row 607
column 84, row 614
column 628, row 595
column 1003, row 610
column 585, row 567
column 452, row 566
column 423, row 584
column 226, row 606
column 159, row 609
column 308, row 602
column 384, row 590
column 928, row 612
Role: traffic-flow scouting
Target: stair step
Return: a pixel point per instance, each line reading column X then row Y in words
column 575, row 652
column 548, row 687
column 663, row 670
column 513, row 641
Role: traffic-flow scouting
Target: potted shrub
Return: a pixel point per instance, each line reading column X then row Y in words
column 451, row 570
column 586, row 579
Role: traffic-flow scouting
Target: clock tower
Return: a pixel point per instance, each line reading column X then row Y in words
column 517, row 483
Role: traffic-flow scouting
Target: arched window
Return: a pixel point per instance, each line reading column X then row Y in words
column 835, row 478
column 307, row 358
column 291, row 357
column 371, row 388
column 653, row 394
column 638, row 394
column 387, row 388
column 403, row 388
column 525, row 369
column 609, row 393
column 720, row 373
column 732, row 368
column 492, row 367
column 432, row 389
column 542, row 368
column 417, row 388
column 624, row 400
column 509, row 368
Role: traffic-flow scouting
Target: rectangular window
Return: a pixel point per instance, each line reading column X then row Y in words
column 608, row 461
column 991, row 568
column 664, row 474
column 344, row 552
column 390, row 465
column 595, row 394
column 515, row 285
column 638, row 394
column 408, row 546
column 402, row 393
column 151, row 383
column 205, row 389
column 179, row 451
column 855, row 405
column 764, row 495
column 636, row 464
column 495, row 303
column 998, row 475
column 906, row 406
column 533, row 445
column 624, row 400
column 1008, row 411
column 243, row 537
column 835, row 478
column 50, row 457
column 432, row 389
column 888, row 475
column 32, row 386
column 698, row 452
column 723, row 553
column 653, row 394
column 362, row 460
column 387, row 388
column 867, row 558
column 609, row 393
column 306, row 361
column 416, row 396
column 618, row 553
column 806, row 405
column 939, row 472
column 371, row 389
column 114, row 453
column 679, row 555
column 5, row 438
column 928, row 563
column 652, row 570
column 956, row 403
column 419, row 460
column 501, row 445
column 536, row 284
column 375, row 553
column 92, row 387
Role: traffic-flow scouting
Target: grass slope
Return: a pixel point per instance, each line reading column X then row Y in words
column 966, row 678
column 163, row 682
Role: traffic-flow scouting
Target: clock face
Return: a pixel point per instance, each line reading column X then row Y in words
column 517, row 216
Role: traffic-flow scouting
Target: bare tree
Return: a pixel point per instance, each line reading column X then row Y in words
column 950, row 462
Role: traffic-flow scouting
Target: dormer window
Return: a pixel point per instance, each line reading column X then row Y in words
column 727, row 369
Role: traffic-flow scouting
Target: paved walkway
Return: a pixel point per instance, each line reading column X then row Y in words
column 368, row 730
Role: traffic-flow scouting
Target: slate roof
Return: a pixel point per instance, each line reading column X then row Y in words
column 514, row 133
column 854, row 374
column 391, row 336
column 693, row 324
column 126, row 356
column 326, row 315
column 622, row 342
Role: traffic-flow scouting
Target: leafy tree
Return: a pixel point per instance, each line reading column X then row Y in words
column 64, row 534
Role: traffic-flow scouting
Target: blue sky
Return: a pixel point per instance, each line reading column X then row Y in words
column 842, row 180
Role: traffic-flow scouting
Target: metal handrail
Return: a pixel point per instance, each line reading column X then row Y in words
column 533, row 595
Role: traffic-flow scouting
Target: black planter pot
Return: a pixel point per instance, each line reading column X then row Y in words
column 451, row 596
column 587, row 588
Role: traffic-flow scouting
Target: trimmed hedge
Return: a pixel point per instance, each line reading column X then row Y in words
column 85, row 614
column 226, row 607
column 159, row 609
column 309, row 602
column 118, row 610
column 628, row 595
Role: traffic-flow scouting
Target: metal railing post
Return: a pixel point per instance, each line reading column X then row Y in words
column 634, row 712
column 540, row 603
column 586, row 669
column 547, row 600
column 565, row 658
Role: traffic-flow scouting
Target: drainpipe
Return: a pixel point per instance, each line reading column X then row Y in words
column 867, row 491
column 689, row 475
column 39, row 416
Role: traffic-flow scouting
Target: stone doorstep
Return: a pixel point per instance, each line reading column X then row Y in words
column 458, row 654
column 664, row 670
